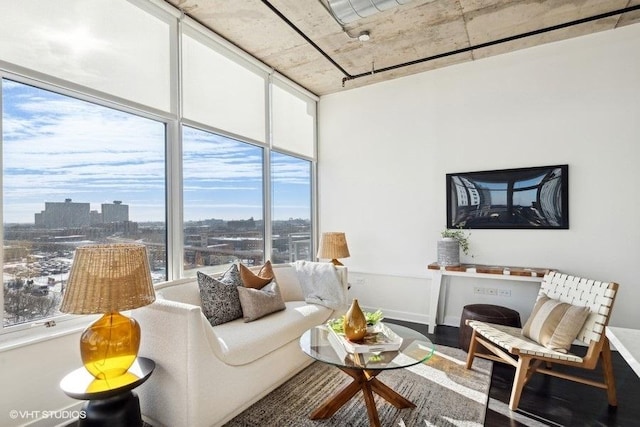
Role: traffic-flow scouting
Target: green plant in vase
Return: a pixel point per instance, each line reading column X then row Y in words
column 460, row 236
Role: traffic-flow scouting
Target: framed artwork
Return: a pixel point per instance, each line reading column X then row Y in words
column 533, row 198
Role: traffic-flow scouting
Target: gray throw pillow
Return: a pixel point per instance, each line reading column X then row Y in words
column 257, row 303
column 219, row 297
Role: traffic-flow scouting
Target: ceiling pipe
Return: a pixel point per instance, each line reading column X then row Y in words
column 304, row 36
column 347, row 11
column 348, row 76
column 495, row 42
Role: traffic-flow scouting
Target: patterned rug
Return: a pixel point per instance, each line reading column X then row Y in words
column 444, row 391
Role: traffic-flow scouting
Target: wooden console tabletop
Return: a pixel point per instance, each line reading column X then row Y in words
column 492, row 269
column 495, row 272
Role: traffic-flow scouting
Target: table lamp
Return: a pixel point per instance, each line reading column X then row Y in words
column 333, row 245
column 108, row 279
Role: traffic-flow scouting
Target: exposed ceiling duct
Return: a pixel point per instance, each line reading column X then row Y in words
column 347, row 11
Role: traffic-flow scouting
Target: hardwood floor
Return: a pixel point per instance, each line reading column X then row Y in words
column 549, row 401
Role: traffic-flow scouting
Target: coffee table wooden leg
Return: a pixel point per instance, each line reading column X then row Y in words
column 372, row 411
column 365, row 381
column 335, row 402
column 390, row 395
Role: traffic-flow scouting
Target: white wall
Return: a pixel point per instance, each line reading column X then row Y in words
column 29, row 381
column 384, row 151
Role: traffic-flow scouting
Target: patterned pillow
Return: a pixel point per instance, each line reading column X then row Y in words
column 555, row 324
column 256, row 281
column 257, row 303
column 219, row 297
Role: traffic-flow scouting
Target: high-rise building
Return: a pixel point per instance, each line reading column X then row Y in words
column 65, row 214
column 116, row 212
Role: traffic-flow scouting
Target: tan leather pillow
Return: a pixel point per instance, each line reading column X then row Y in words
column 555, row 324
column 256, row 281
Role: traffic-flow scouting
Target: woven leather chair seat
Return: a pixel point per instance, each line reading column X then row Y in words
column 487, row 313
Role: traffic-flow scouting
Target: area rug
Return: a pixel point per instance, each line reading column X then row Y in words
column 444, row 391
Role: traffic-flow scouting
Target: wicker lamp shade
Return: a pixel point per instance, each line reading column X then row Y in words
column 333, row 245
column 108, row 278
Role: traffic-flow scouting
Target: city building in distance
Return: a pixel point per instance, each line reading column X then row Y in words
column 69, row 214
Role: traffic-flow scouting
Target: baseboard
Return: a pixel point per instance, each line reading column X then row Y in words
column 402, row 315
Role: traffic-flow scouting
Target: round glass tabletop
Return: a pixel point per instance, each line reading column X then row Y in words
column 319, row 343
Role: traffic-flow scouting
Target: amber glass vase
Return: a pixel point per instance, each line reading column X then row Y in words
column 355, row 324
column 109, row 346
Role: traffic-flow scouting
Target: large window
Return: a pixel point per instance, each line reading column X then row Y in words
column 291, row 208
column 223, row 202
column 73, row 173
column 180, row 141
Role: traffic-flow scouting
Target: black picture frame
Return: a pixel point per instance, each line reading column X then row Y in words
column 522, row 198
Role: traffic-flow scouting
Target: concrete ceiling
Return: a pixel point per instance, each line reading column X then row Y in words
column 410, row 32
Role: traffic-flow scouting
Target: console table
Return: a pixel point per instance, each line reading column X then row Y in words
column 439, row 276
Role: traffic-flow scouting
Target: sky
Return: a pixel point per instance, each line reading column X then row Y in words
column 56, row 147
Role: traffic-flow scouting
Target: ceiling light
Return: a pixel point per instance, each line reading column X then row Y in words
column 364, row 36
column 346, row 11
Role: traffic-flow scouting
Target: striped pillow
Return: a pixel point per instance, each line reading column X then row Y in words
column 555, row 324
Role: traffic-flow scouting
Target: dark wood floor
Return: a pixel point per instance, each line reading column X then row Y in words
column 552, row 401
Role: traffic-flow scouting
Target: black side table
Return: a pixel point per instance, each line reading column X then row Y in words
column 110, row 403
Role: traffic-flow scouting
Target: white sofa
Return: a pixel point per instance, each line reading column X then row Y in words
column 206, row 375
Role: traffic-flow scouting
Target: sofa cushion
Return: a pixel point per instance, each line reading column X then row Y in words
column 287, row 279
column 238, row 343
column 263, row 277
column 220, row 301
column 257, row 303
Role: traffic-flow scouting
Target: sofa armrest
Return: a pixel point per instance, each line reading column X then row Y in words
column 172, row 335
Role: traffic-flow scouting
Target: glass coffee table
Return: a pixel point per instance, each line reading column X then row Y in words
column 364, row 367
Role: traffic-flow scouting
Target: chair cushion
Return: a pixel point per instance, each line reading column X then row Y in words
column 219, row 297
column 555, row 324
column 257, row 303
column 256, row 280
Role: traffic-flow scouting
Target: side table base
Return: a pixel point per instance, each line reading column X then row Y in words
column 122, row 410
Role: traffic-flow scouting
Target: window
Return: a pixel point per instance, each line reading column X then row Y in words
column 223, row 202
column 92, row 152
column 291, row 208
column 74, row 173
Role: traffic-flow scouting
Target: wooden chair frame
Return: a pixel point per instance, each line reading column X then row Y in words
column 507, row 344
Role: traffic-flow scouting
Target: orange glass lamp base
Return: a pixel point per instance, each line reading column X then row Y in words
column 109, row 346
column 336, row 262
